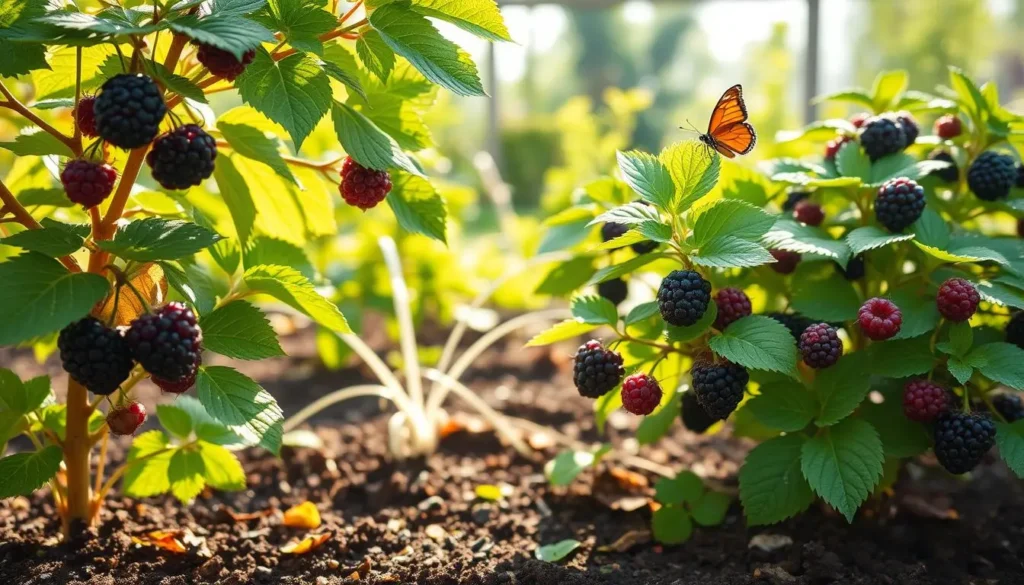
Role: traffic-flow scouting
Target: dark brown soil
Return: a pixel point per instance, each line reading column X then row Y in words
column 419, row 521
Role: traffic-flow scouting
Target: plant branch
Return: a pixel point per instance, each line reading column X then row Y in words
column 13, row 103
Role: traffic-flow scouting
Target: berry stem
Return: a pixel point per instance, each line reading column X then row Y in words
column 13, row 104
column 351, row 11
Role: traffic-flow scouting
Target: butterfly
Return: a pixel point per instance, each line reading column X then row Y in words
column 728, row 131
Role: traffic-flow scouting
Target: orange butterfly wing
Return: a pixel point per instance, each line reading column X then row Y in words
column 728, row 129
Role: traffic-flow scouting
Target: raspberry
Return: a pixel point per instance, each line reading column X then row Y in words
column 962, row 439
column 85, row 116
column 1020, row 177
column 858, row 119
column 924, row 401
column 795, row 323
column 948, row 126
column 641, row 394
column 695, row 419
column 1015, row 329
column 683, row 297
column 992, row 175
column 855, row 268
column 809, row 212
column 128, row 110
column 183, row 157
column 833, row 146
column 362, row 187
column 880, row 319
column 596, row 370
column 881, row 136
column 785, row 261
column 1009, row 405
column 87, row 183
column 793, row 198
column 950, row 174
column 820, row 345
column 615, row 290
column 125, row 420
column 719, row 387
column 95, row 355
column 899, row 204
column 957, row 299
column 222, row 63
column 910, row 127
column 167, row 343
column 733, row 304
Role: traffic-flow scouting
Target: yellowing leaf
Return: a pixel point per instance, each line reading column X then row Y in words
column 151, row 283
column 304, row 515
column 305, row 545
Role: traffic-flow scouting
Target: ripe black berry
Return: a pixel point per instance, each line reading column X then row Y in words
column 793, row 198
column 85, row 116
column 128, row 110
column 125, row 420
column 612, row 229
column 733, row 304
column 695, row 419
column 719, row 387
column 962, row 439
column 222, row 63
column 950, row 174
column 855, row 268
column 795, row 323
column 924, row 400
column 596, row 370
column 183, row 157
column 180, row 386
column 95, row 355
column 362, row 187
column 683, row 297
column 879, row 318
column 820, row 345
column 809, row 212
column 615, row 290
column 168, row 343
column 910, row 127
column 899, row 203
column 1015, row 329
column 957, row 299
column 641, row 394
column 88, row 183
column 785, row 261
column 881, row 136
column 992, row 175
column 948, row 126
column 644, row 246
column 1010, row 406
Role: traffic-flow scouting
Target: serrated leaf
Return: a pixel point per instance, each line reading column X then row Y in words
column 786, row 406
column 240, row 7
column 301, row 22
column 294, row 92
column 867, row 238
column 376, row 55
column 288, row 286
column 671, row 525
column 960, row 370
column 961, row 337
column 711, row 509
column 567, row 276
column 685, row 487
column 731, row 252
column 20, row 58
column 682, row 334
column 920, row 314
column 694, row 168
column 1010, row 439
column 229, row 32
column 899, row 358
column 790, row 235
column 35, row 142
column 595, row 310
column 418, row 207
column 252, row 143
column 567, row 329
column 479, row 17
column 731, row 217
column 174, row 420
column 841, row 388
column 236, row 195
column 149, row 459
column 901, row 437
column 221, row 468
column 759, row 343
column 23, row 473
column 266, row 250
column 830, row 299
column 240, row 403
column 843, row 464
column 619, row 270
column 366, row 143
column 346, row 72
column 241, row 331
column 852, row 162
column 655, row 425
column 633, row 213
column 648, row 177
column 553, row 553
column 154, row 238
column 53, row 242
column 772, row 485
column 185, row 474
column 177, row 84
column 999, row 361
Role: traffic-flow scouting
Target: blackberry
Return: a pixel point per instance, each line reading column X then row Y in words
column 855, row 268
column 95, row 355
column 957, row 299
column 611, row 230
column 785, row 261
column 733, row 304
column 88, row 183
column 695, row 419
column 899, row 203
column 924, row 401
column 644, row 247
column 1009, row 405
column 129, row 109
column 833, row 146
column 222, row 63
column 180, row 386
column 962, row 439
column 1015, row 329
column 85, row 116
column 125, row 420
column 879, row 318
column 950, row 174
column 793, row 198
column 168, row 343
column 910, row 127
column 795, row 323
column 1019, row 183
column 363, row 187
column 596, row 370
column 948, row 126
column 992, row 175
column 820, row 345
column 809, row 212
column 719, row 387
column 615, row 290
column 881, row 136
column 183, row 157
column 641, row 394
column 683, row 297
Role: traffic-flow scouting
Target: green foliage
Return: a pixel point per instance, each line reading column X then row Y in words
column 684, row 501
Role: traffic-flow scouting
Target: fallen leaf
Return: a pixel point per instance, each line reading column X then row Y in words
column 169, row 540
column 304, row 515
column 491, row 493
column 627, row 541
column 247, row 516
column 557, row 551
column 299, row 547
column 628, row 480
column 769, row 542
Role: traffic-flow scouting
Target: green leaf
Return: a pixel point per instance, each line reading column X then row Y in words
column 174, row 420
column 568, row 329
column 149, row 459
column 295, row 92
column 901, row 437
column 870, row 237
column 252, row 143
column 671, row 525
column 645, row 311
column 35, row 142
column 852, row 162
column 53, row 242
column 888, row 86
column 843, row 464
column 920, row 314
column 790, row 235
column 685, row 487
column 655, row 425
column 567, row 276
column 830, row 299
column 731, row 252
column 620, row 270
column 237, row 197
column 239, row 7
column 694, row 168
column 899, row 358
column 851, row 96
column 342, row 67
column 772, row 485
column 1000, row 362
column 647, row 177
column 20, row 58
column 155, row 238
column 710, row 510
column 38, row 295
column 970, row 96
column 366, row 143
column 412, row 36
column 241, row 331
column 206, row 427
column 677, row 334
column 595, row 310
column 841, row 388
column 480, row 17
column 563, row 469
column 266, row 250
column 731, row 217
column 1010, row 439
column 633, row 213
column 553, row 553
column 301, row 22
column 418, row 207
column 786, row 406
column 960, row 370
column 177, row 84
column 759, row 343
column 23, row 473
column 221, row 468
column 288, row 286
column 240, row 403
column 229, row 32
column 930, row 229
column 185, row 473
column 604, row 406
column 376, row 55
column 961, row 337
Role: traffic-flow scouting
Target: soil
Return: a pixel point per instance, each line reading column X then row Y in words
column 420, row 522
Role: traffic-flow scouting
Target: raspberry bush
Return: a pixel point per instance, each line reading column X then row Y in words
column 849, row 310
column 132, row 276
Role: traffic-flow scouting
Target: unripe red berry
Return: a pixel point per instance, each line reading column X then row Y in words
column 858, row 119
column 948, row 126
column 362, row 187
column 641, row 394
column 957, row 300
column 924, row 401
column 809, row 212
column 880, row 319
column 85, row 117
column 88, row 183
column 833, row 146
column 785, row 261
column 125, row 420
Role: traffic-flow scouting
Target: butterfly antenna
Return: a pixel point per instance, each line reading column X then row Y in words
column 692, row 128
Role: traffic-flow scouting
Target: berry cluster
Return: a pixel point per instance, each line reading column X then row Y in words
column 733, row 304
column 88, row 183
column 129, row 110
column 221, row 63
column 951, row 173
column 785, row 261
column 992, row 175
column 820, row 345
column 683, row 297
column 183, row 157
column 957, row 299
column 809, row 212
column 641, row 394
column 596, row 370
column 167, row 343
column 887, row 134
column 899, row 203
column 362, row 187
column 880, row 319
column 719, row 387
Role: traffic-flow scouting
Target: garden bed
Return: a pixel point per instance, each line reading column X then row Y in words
column 420, row 522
